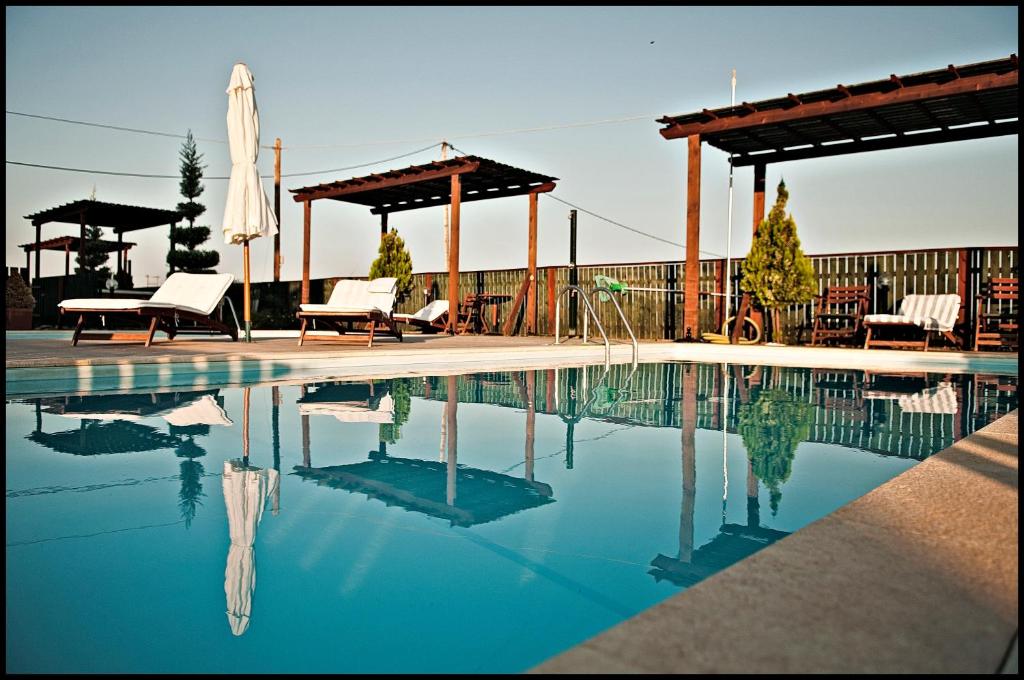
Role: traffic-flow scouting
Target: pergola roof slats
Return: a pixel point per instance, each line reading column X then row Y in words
column 421, row 186
column 117, row 216
column 71, row 243
column 957, row 102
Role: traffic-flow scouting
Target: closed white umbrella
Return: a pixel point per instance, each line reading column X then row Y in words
column 248, row 213
column 245, row 492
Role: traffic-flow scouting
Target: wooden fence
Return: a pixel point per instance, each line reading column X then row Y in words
column 650, row 396
column 658, row 315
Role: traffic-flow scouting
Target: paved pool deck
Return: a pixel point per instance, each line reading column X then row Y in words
column 33, row 363
column 918, row 576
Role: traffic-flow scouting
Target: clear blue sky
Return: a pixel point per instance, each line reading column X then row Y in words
column 388, row 80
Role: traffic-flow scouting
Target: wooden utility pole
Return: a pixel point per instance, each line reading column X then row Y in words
column 444, row 157
column 277, row 208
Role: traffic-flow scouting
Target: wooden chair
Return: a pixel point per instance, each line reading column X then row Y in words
column 839, row 313
column 997, row 328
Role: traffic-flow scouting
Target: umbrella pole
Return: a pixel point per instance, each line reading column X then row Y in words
column 247, row 305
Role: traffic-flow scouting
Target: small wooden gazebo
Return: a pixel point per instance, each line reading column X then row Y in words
column 945, row 105
column 453, row 181
column 74, row 243
column 116, row 216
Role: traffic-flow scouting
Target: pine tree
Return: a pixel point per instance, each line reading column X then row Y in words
column 394, row 260
column 191, row 260
column 776, row 272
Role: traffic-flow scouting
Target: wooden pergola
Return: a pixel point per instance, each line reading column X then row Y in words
column 447, row 182
column 945, row 105
column 69, row 243
column 116, row 216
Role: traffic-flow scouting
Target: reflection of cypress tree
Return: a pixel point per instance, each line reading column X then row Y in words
column 191, row 480
column 772, row 425
column 401, row 392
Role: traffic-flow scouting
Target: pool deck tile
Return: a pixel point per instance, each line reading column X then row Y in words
column 918, row 576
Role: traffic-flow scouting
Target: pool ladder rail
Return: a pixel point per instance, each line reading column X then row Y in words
column 591, row 312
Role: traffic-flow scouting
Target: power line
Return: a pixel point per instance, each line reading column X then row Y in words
column 611, row 221
column 493, row 133
column 151, row 176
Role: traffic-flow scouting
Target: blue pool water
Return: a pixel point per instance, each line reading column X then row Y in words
column 472, row 523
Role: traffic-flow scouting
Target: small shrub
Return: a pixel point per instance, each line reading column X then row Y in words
column 18, row 294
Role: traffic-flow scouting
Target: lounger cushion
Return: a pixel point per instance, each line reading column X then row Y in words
column 351, row 296
column 111, row 304
column 930, row 312
column 199, row 293
column 429, row 314
column 196, row 293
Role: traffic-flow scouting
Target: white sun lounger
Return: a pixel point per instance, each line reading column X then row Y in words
column 931, row 313
column 372, row 302
column 182, row 296
column 429, row 319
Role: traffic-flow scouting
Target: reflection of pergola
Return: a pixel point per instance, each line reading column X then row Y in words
column 69, row 243
column 116, row 216
column 453, row 181
column 946, row 105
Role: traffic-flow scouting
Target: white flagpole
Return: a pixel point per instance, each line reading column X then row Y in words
column 728, row 237
column 728, row 297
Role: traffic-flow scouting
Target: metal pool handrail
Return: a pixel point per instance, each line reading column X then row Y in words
column 629, row 329
column 590, row 308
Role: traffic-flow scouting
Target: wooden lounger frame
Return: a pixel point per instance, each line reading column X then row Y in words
column 160, row 318
column 906, row 344
column 374, row 320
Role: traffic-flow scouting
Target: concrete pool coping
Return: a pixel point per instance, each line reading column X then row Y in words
column 917, row 576
column 32, row 366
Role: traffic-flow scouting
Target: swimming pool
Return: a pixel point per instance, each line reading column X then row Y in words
column 473, row 523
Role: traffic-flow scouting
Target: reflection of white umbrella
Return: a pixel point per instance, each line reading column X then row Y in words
column 248, row 213
column 245, row 491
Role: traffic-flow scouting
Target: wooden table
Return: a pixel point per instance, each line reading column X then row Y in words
column 472, row 312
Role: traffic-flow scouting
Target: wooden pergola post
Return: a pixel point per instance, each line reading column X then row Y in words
column 39, row 232
column 452, row 424
column 81, row 244
column 120, row 252
column 691, row 288
column 531, row 296
column 453, row 256
column 531, row 419
column 307, row 216
column 688, row 422
column 759, row 173
column 174, row 226
column 28, row 268
column 277, row 208
column 383, row 225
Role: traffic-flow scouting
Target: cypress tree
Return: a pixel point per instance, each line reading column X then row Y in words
column 394, row 260
column 93, row 259
column 776, row 272
column 191, row 260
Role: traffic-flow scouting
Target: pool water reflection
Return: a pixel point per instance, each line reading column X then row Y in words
column 472, row 523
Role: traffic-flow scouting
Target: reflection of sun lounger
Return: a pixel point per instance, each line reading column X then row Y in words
column 353, row 411
column 372, row 302
column 197, row 410
column 429, row 319
column 938, row 399
column 193, row 297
